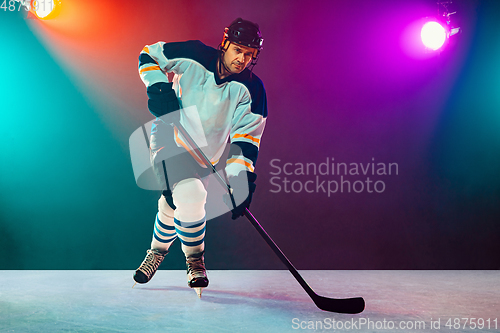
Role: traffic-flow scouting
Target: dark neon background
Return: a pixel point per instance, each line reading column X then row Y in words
column 345, row 80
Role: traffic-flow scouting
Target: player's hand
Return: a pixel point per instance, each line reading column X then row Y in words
column 240, row 209
column 162, row 99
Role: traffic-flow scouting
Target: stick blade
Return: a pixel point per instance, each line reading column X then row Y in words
column 340, row 305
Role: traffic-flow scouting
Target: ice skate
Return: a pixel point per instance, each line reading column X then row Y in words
column 149, row 266
column 196, row 273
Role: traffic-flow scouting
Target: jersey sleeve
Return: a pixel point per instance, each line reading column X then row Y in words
column 248, row 124
column 153, row 65
column 156, row 60
column 160, row 58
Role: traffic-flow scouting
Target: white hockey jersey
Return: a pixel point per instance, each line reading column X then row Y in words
column 232, row 108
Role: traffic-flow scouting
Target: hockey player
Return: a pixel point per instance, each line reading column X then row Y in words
column 231, row 104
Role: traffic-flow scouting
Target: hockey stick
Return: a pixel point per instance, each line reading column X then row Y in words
column 339, row 305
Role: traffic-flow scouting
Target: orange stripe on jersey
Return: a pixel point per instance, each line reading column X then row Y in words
column 152, row 68
column 247, row 136
column 240, row 161
column 191, row 152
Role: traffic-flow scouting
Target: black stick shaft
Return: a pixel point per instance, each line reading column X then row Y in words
column 278, row 252
column 205, row 159
column 351, row 305
column 249, row 216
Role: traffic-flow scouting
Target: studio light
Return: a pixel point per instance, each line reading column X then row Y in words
column 435, row 33
column 41, row 9
column 45, row 9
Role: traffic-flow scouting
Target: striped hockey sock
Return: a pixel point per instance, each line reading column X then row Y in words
column 189, row 217
column 163, row 235
column 191, row 235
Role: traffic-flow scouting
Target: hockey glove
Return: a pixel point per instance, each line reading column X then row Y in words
column 162, row 99
column 240, row 209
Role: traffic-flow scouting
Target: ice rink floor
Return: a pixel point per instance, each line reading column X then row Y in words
column 248, row 301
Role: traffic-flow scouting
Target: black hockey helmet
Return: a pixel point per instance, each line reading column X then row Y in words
column 244, row 33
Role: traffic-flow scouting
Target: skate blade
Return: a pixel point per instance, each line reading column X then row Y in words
column 198, row 290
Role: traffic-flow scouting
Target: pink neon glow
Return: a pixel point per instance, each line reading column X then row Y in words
column 433, row 35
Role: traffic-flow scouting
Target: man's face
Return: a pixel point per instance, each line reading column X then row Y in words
column 237, row 57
